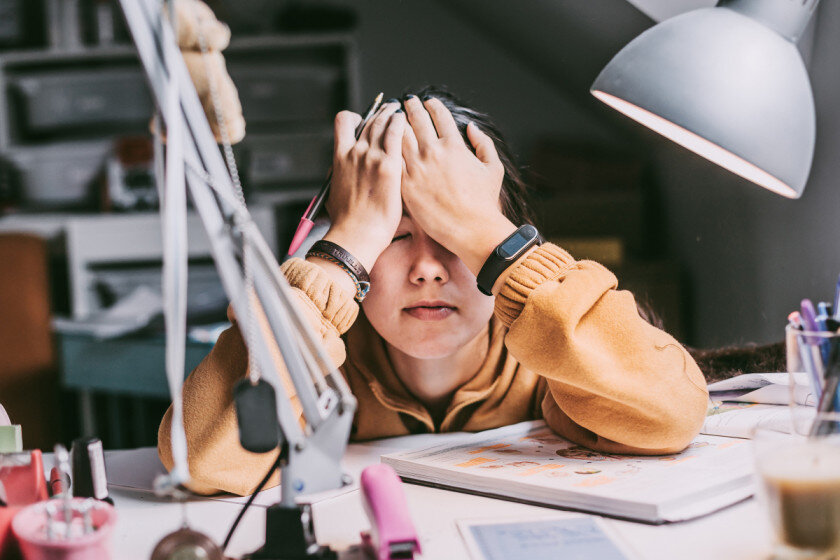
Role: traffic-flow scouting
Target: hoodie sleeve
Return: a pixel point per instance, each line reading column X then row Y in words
column 615, row 382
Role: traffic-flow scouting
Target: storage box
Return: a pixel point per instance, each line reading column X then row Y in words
column 58, row 176
column 272, row 94
column 57, row 100
column 274, row 160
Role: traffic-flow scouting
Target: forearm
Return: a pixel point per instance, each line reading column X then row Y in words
column 365, row 246
column 610, row 372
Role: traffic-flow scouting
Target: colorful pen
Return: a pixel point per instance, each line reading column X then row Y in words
column 306, row 222
column 824, row 311
column 813, row 343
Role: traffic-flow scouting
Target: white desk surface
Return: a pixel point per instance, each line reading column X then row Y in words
column 738, row 532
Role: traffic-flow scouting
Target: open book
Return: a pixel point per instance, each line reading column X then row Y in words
column 528, row 462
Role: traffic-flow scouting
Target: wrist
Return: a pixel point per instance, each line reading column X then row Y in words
column 336, row 274
column 485, row 242
column 366, row 248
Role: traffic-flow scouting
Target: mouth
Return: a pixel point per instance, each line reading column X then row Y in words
column 430, row 310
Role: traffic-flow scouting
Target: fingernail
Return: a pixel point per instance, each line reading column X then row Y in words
column 392, row 100
column 411, row 96
column 398, row 111
column 427, row 97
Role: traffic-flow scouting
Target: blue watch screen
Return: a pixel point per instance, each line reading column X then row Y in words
column 509, row 248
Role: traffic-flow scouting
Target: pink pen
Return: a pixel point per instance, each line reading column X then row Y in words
column 307, row 221
column 392, row 534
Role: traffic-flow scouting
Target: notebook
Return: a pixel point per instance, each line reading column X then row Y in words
column 529, row 463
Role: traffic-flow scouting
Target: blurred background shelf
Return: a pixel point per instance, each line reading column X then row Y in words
column 76, row 181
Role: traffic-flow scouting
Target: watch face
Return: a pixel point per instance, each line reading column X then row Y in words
column 514, row 244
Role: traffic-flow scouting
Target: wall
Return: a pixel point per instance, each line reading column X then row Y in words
column 754, row 255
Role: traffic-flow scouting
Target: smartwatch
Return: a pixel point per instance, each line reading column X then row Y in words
column 505, row 254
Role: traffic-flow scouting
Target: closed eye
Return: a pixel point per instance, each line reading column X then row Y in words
column 400, row 237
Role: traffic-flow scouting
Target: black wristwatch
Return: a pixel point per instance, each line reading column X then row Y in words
column 505, row 254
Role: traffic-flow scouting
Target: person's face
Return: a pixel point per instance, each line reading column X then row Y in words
column 423, row 300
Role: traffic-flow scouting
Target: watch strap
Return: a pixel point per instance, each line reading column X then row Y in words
column 504, row 256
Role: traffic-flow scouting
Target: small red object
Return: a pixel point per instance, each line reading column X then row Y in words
column 57, row 485
column 22, row 476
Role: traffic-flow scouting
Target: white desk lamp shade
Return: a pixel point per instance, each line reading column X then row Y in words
column 726, row 87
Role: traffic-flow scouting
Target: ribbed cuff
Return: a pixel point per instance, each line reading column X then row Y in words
column 548, row 262
column 335, row 304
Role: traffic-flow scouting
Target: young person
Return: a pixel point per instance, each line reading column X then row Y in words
column 421, row 201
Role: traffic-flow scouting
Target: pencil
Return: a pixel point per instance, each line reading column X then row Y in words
column 306, row 222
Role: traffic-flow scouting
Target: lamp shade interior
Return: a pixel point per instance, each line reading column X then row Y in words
column 724, row 86
column 699, row 145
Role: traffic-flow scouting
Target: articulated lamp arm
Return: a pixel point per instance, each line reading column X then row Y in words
column 315, row 449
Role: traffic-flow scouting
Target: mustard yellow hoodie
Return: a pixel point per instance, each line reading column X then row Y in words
column 565, row 346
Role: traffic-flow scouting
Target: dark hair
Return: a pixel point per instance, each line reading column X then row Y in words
column 514, row 193
column 729, row 361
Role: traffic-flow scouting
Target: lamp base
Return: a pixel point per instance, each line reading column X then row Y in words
column 290, row 535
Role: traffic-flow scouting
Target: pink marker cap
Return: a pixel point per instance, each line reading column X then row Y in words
column 303, row 229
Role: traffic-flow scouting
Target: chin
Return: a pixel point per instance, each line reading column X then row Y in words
column 429, row 349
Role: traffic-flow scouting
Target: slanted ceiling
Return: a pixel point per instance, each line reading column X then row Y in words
column 566, row 42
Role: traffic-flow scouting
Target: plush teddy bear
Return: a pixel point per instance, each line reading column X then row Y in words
column 195, row 19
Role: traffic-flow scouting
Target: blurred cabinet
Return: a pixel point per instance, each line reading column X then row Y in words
column 126, row 251
column 60, row 111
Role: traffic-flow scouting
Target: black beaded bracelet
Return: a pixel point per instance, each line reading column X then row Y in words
column 335, row 253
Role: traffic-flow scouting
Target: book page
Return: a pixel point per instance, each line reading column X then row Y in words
column 757, row 380
column 765, row 388
column 738, row 420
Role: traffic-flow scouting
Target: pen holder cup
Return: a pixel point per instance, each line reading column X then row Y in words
column 799, row 484
column 813, row 362
column 40, row 539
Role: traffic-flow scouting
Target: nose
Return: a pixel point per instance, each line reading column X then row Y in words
column 428, row 262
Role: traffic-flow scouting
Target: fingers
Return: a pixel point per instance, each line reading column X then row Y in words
column 485, row 149
column 392, row 141
column 420, row 121
column 441, row 117
column 345, row 131
column 375, row 129
column 409, row 143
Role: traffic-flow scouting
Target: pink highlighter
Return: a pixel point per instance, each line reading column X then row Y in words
column 308, row 219
column 392, row 534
